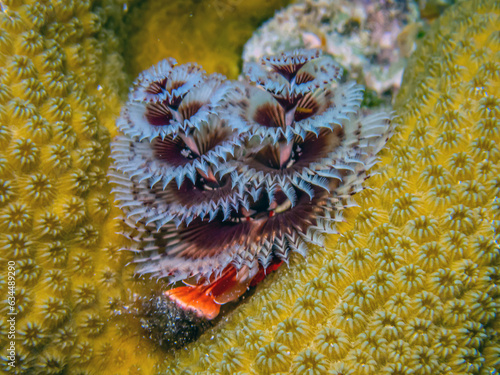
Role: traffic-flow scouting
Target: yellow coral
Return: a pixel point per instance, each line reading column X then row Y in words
column 59, row 82
column 410, row 286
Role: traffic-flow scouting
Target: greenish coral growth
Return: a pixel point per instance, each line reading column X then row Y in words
column 410, row 286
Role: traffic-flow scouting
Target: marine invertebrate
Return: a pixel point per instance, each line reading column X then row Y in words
column 309, row 362
column 261, row 170
column 273, row 358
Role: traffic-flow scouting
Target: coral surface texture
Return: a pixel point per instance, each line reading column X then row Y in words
column 59, row 78
column 411, row 284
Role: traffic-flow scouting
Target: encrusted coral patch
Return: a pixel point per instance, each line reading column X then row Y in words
column 411, row 283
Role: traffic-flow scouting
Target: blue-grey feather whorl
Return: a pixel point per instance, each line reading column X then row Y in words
column 164, row 169
column 211, row 173
column 305, row 123
column 167, row 99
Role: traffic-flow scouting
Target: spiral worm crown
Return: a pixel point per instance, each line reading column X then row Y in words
column 212, row 174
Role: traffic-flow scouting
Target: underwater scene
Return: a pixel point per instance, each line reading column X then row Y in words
column 250, row 187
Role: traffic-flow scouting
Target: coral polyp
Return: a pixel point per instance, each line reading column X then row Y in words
column 221, row 181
